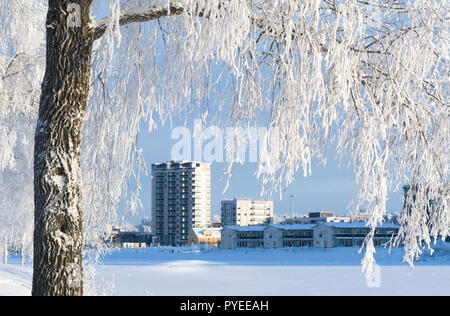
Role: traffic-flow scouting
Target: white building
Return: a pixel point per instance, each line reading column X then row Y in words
column 242, row 237
column 244, row 212
column 332, row 234
column 205, row 237
column 288, row 235
column 322, row 235
column 181, row 200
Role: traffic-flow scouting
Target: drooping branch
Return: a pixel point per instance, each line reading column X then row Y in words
column 153, row 13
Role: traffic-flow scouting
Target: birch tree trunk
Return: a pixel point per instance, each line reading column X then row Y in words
column 58, row 234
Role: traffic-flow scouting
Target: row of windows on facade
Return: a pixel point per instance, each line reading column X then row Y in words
column 309, row 234
column 177, row 213
column 184, row 200
column 171, row 222
column 159, row 175
column 177, row 185
column 171, row 214
column 183, row 187
column 182, row 172
column 177, row 190
column 309, row 243
column 192, row 218
column 293, row 243
column 181, row 184
column 230, row 209
column 180, row 190
column 181, row 206
column 159, row 211
column 234, row 215
column 299, row 234
column 244, row 244
column 173, row 237
column 188, row 193
column 193, row 180
column 166, row 178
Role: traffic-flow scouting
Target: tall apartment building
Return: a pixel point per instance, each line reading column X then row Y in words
column 181, row 200
column 244, row 212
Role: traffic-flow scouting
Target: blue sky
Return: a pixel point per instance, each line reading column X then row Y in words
column 328, row 188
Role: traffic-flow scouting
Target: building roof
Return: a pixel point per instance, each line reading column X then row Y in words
column 294, row 226
column 200, row 232
column 255, row 228
column 178, row 164
column 247, row 199
column 358, row 225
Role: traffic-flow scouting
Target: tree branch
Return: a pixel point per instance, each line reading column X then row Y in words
column 128, row 17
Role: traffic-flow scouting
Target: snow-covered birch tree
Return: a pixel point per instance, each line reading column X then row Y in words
column 21, row 70
column 368, row 77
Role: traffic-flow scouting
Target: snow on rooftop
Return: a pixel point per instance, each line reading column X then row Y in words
column 294, row 226
column 255, row 228
column 201, row 232
column 359, row 225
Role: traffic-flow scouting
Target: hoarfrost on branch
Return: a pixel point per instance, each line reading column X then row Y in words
column 368, row 77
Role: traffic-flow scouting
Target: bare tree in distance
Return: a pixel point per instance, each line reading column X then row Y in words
column 370, row 78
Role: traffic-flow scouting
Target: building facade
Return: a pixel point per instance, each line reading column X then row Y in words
column 286, row 235
column 204, row 237
column 245, row 212
column 329, row 235
column 322, row 235
column 242, row 237
column 122, row 238
column 181, row 200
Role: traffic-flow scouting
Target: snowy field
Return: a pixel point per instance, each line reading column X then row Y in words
column 187, row 271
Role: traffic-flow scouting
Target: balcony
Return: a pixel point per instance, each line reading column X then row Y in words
column 291, row 238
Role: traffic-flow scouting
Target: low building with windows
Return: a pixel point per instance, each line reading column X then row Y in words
column 121, row 238
column 321, row 235
column 242, row 236
column 204, row 237
column 333, row 234
column 288, row 235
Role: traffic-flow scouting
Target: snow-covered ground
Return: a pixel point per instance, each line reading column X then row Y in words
column 187, row 271
column 15, row 281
